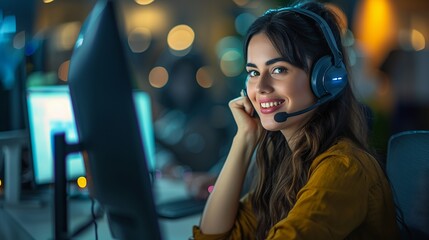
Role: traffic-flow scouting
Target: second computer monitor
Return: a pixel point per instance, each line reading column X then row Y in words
column 50, row 111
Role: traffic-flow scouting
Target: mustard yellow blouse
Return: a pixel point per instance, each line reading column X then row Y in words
column 347, row 196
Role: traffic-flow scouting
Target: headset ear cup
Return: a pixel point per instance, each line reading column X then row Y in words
column 317, row 76
column 327, row 79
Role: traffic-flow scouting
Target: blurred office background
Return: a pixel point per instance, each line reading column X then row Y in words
column 385, row 40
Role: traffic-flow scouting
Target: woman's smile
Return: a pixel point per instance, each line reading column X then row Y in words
column 270, row 106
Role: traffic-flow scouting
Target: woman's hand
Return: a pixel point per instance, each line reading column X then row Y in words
column 242, row 111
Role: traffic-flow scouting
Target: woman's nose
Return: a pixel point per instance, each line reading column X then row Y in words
column 264, row 84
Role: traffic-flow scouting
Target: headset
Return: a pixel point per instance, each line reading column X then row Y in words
column 328, row 76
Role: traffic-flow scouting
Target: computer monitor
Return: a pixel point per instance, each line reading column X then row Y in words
column 49, row 111
column 101, row 93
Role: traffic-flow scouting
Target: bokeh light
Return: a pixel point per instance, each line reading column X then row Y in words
column 139, row 39
column 228, row 43
column 204, row 78
column 417, row 40
column 241, row 3
column 232, row 63
column 376, row 29
column 63, row 71
column 158, row 77
column 152, row 17
column 81, row 182
column 66, row 35
column 19, row 40
column 243, row 22
column 230, row 53
column 144, row 2
column 180, row 37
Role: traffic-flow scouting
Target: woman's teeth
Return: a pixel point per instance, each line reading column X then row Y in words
column 270, row 104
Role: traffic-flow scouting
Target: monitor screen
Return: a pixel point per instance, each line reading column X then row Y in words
column 50, row 111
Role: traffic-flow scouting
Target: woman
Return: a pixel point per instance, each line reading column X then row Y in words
column 316, row 178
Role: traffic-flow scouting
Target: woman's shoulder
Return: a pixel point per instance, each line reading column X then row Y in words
column 345, row 155
column 344, row 150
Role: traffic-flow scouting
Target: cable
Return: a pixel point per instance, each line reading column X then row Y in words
column 94, row 217
column 93, row 220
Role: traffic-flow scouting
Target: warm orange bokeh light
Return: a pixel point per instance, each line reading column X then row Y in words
column 204, row 78
column 63, row 71
column 158, row 77
column 376, row 28
column 180, row 37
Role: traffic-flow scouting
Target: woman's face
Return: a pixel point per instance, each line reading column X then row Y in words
column 274, row 86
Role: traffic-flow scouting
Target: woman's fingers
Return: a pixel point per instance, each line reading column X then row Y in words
column 241, row 103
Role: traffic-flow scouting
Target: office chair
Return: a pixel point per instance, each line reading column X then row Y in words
column 407, row 168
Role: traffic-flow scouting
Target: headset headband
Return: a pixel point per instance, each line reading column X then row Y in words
column 326, row 30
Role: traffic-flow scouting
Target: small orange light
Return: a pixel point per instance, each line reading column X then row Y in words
column 81, row 182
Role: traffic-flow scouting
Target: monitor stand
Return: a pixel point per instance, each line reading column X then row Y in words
column 61, row 150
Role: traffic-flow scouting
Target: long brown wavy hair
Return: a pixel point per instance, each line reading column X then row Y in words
column 281, row 171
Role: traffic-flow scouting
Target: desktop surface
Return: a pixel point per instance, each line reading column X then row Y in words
column 10, row 229
column 35, row 222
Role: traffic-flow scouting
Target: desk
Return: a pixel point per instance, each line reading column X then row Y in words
column 36, row 222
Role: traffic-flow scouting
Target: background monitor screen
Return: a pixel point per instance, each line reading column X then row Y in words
column 50, row 111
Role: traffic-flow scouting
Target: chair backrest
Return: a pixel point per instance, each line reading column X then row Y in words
column 407, row 167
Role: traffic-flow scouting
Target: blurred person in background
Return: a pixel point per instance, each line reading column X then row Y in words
column 190, row 145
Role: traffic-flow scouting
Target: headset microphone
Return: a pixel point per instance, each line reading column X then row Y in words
column 283, row 116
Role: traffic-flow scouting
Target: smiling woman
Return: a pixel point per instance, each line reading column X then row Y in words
column 316, row 176
column 283, row 86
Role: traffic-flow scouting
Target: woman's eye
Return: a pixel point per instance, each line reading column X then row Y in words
column 252, row 73
column 279, row 70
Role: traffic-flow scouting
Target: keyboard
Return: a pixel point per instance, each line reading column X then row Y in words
column 180, row 208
